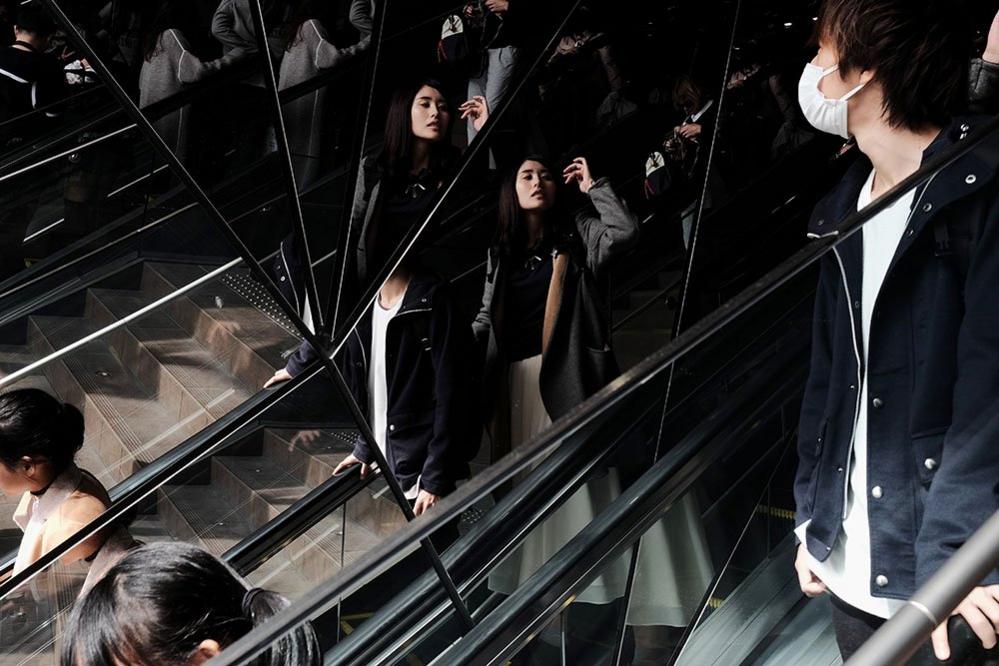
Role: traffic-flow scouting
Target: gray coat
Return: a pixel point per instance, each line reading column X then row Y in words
column 306, row 57
column 171, row 67
column 577, row 360
column 984, row 90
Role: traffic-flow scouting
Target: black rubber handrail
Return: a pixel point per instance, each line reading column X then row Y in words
column 468, row 558
column 627, row 518
column 450, row 508
column 294, row 521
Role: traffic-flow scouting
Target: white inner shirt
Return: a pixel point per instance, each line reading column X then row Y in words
column 847, row 570
column 377, row 381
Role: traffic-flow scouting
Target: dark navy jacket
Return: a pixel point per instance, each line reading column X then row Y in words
column 433, row 429
column 933, row 375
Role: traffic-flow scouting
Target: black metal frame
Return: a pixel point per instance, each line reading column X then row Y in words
column 146, row 127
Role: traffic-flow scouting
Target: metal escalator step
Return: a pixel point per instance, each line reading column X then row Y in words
column 125, row 421
column 245, row 329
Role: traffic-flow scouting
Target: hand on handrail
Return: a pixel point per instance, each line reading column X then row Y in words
column 980, row 610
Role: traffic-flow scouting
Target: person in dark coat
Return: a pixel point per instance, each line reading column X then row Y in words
column 897, row 438
column 405, row 364
column 543, row 320
column 395, row 190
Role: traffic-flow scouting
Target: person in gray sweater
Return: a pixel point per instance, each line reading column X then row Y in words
column 308, row 53
column 168, row 65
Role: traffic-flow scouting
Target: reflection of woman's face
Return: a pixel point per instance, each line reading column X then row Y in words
column 429, row 114
column 535, row 186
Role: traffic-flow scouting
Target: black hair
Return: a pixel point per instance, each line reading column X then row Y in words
column 36, row 425
column 919, row 52
column 35, row 20
column 158, row 603
column 397, row 154
column 181, row 15
column 511, row 232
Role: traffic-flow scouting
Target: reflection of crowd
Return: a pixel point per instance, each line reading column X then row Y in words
column 429, row 378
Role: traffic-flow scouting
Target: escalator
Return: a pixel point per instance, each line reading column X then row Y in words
column 720, row 489
column 162, row 327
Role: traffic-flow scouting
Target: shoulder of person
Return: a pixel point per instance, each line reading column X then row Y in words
column 75, row 512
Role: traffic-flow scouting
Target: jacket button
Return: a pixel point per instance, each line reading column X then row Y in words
column 881, row 580
column 876, row 492
column 970, row 180
column 878, row 403
column 930, row 463
column 821, row 222
column 910, row 232
column 839, row 470
column 856, row 305
column 391, row 428
column 927, row 208
column 853, row 387
column 282, row 278
column 965, row 127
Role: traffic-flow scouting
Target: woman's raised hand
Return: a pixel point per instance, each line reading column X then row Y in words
column 579, row 171
column 477, row 109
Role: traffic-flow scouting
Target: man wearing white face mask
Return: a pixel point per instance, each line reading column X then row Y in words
column 898, row 464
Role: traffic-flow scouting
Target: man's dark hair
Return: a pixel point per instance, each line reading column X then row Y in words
column 33, row 19
column 919, row 52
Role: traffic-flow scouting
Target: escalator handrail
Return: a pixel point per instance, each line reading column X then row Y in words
column 147, row 480
column 897, row 640
column 521, row 501
column 630, row 515
column 294, row 521
column 381, row 556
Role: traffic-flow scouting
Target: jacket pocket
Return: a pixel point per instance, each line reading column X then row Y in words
column 813, row 482
column 927, row 450
column 409, row 435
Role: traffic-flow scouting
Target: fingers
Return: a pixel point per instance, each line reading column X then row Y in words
column 365, row 470
column 941, row 647
column 979, row 623
column 347, row 463
column 419, row 507
column 990, row 604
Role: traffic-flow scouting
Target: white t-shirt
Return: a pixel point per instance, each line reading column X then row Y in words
column 847, row 570
column 377, row 381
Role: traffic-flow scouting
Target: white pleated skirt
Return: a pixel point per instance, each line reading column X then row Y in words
column 674, row 567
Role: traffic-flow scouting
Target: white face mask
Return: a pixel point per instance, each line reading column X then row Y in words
column 826, row 115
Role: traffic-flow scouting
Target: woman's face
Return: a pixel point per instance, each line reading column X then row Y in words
column 535, row 186
column 13, row 482
column 429, row 115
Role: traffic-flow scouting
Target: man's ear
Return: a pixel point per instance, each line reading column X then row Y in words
column 205, row 651
column 867, row 76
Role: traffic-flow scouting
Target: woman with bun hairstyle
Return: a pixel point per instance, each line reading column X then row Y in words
column 173, row 603
column 39, row 438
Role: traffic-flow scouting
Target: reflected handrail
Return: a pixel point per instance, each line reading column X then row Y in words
column 450, row 508
column 627, row 518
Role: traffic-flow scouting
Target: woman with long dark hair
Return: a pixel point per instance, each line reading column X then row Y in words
column 173, row 603
column 395, row 190
column 544, row 324
column 39, row 438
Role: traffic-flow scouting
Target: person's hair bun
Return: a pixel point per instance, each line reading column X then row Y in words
column 71, row 425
